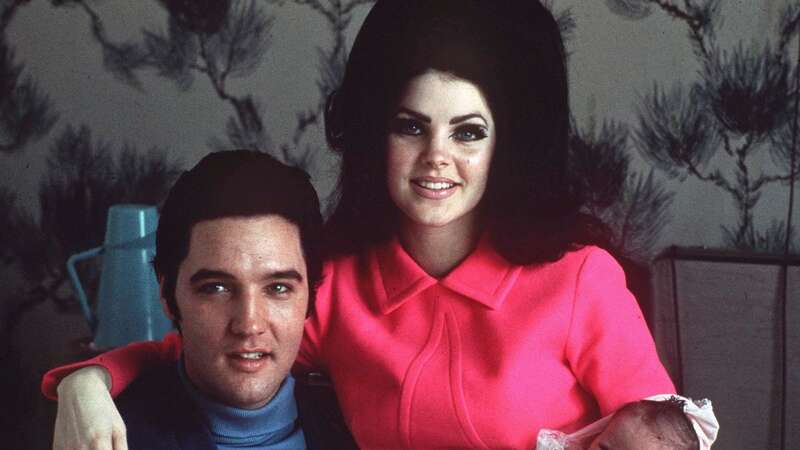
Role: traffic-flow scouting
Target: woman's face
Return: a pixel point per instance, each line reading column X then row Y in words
column 439, row 148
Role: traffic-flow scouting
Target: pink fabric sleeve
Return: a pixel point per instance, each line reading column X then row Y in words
column 309, row 357
column 124, row 363
column 610, row 348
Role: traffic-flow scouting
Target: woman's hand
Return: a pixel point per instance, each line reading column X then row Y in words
column 87, row 418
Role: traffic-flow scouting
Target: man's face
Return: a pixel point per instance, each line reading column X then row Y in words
column 242, row 292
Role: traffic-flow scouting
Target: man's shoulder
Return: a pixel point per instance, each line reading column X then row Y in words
column 159, row 414
column 152, row 393
column 322, row 420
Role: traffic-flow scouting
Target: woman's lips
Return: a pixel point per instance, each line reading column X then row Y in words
column 434, row 188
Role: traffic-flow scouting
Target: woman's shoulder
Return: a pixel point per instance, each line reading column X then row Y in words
column 585, row 256
column 586, row 264
column 346, row 270
column 341, row 262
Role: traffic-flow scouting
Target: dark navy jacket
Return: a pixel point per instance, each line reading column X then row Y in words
column 160, row 415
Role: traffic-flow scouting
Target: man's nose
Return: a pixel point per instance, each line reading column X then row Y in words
column 250, row 314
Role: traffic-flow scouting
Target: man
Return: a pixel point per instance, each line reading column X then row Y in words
column 237, row 260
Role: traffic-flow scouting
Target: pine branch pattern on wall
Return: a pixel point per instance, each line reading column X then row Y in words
column 739, row 107
column 84, row 176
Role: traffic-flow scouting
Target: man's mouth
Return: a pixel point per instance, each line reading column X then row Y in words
column 250, row 355
column 245, row 355
column 250, row 361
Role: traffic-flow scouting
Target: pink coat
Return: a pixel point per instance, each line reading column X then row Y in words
column 484, row 357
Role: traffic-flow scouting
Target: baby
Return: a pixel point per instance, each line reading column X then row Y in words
column 666, row 422
column 648, row 425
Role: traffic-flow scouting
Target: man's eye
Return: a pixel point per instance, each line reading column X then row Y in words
column 212, row 288
column 279, row 289
column 409, row 127
column 468, row 133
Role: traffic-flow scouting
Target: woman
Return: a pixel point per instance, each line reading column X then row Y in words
column 461, row 306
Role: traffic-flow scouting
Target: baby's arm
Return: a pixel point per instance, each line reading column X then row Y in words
column 87, row 417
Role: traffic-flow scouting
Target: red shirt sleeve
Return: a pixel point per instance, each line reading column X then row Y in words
column 124, row 363
column 610, row 348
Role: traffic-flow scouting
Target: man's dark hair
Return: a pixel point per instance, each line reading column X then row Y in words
column 238, row 183
column 513, row 51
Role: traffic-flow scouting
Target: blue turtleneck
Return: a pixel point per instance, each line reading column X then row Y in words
column 271, row 427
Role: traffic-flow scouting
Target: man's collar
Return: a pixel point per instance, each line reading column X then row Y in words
column 229, row 424
column 484, row 276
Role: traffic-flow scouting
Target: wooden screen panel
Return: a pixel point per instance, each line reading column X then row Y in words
column 726, row 344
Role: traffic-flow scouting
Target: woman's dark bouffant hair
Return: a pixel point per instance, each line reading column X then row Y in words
column 510, row 49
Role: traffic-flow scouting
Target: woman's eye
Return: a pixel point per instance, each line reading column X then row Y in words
column 468, row 133
column 409, row 127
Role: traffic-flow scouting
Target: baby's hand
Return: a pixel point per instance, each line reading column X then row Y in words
column 556, row 440
column 550, row 440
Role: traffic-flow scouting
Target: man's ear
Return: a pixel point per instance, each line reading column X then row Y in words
column 164, row 306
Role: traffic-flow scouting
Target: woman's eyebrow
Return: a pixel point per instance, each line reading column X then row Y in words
column 465, row 117
column 415, row 114
column 453, row 121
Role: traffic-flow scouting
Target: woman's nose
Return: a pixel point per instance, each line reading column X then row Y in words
column 437, row 153
column 249, row 315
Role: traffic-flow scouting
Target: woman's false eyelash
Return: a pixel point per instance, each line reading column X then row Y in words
column 413, row 127
column 471, row 132
column 407, row 126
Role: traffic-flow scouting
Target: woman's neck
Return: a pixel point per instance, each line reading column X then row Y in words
column 438, row 250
